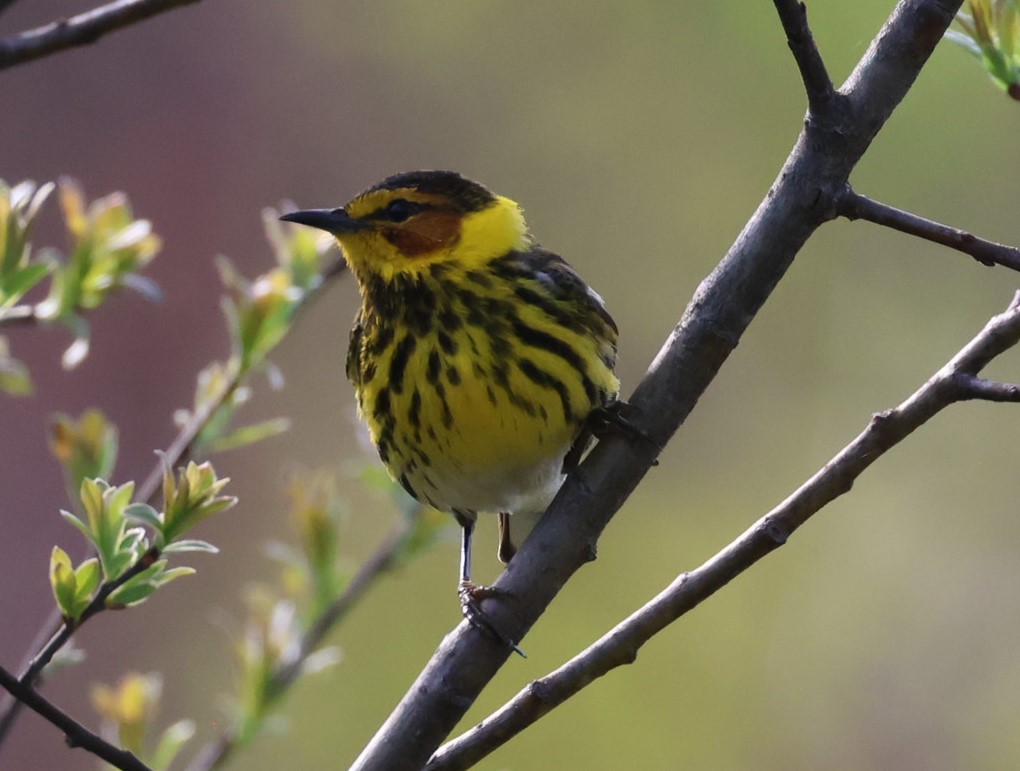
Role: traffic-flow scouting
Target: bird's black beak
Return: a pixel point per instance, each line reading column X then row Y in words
column 335, row 221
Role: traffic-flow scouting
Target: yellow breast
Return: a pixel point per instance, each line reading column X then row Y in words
column 474, row 397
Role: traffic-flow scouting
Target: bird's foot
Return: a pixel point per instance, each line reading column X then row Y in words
column 470, row 596
column 612, row 417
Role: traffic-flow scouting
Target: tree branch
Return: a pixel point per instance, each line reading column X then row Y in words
column 75, row 733
column 987, row 390
column 55, row 634
column 180, row 448
column 817, row 83
column 59, row 630
column 956, row 381
column 381, row 561
column 855, row 206
column 80, row 30
column 62, row 631
column 802, row 198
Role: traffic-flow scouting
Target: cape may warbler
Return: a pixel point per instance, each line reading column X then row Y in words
column 478, row 357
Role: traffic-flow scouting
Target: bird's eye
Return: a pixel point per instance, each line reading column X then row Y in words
column 399, row 210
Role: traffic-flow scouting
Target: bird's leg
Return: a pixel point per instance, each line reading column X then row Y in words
column 472, row 594
column 506, row 549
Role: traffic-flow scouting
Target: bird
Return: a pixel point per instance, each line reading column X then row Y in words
column 480, row 360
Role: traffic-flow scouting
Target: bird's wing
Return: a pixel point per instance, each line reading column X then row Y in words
column 353, row 366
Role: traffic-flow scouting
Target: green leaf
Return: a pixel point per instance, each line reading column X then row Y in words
column 86, row 448
column 133, row 543
column 116, row 544
column 144, row 286
column 109, row 246
column 130, row 594
column 72, row 588
column 137, row 588
column 130, row 708
column 299, row 251
column 14, row 376
column 91, row 495
column 247, row 435
column 36, row 202
column 173, row 574
column 120, row 497
column 144, row 513
column 109, row 530
column 87, row 575
column 67, row 656
column 18, row 207
column 19, row 282
column 63, row 582
column 116, row 563
column 130, row 236
column 78, row 350
column 170, row 744
column 190, row 544
column 191, row 497
column 145, row 583
column 990, row 32
column 214, row 506
column 322, row 659
column 85, row 530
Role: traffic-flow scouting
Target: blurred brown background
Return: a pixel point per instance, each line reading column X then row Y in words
column 639, row 139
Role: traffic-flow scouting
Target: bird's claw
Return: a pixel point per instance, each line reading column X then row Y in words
column 610, row 417
column 470, row 596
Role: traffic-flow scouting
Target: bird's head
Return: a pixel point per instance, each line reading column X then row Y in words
column 410, row 221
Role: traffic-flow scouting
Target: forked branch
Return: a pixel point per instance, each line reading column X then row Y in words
column 956, row 381
column 801, row 199
column 817, row 84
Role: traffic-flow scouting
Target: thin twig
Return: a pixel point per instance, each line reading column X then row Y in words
column 972, row 387
column 956, row 381
column 56, row 632
column 854, row 206
column 60, row 630
column 96, row 605
column 180, row 448
column 817, row 83
column 83, row 29
column 75, row 733
column 381, row 561
column 216, row 752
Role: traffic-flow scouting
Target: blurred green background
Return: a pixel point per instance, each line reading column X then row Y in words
column 639, row 138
